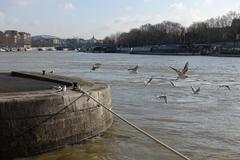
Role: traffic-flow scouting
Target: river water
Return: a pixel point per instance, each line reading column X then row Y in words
column 203, row 126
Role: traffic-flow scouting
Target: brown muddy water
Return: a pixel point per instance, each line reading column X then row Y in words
column 203, row 126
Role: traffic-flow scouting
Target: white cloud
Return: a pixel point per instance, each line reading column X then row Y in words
column 208, row 2
column 12, row 23
column 67, row 7
column 196, row 15
column 36, row 22
column 128, row 8
column 121, row 24
column 15, row 21
column 177, row 7
column 22, row 3
column 2, row 18
column 188, row 17
column 147, row 1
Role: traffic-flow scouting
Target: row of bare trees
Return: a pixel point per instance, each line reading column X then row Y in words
column 220, row 29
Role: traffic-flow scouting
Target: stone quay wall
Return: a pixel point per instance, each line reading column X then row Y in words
column 29, row 123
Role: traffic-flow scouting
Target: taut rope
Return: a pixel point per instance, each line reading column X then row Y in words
column 137, row 128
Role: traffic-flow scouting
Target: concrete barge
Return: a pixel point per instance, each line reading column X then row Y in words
column 35, row 118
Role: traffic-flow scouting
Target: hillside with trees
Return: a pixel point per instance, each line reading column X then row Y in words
column 220, row 29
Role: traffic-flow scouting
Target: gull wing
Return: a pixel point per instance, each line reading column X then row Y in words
column 98, row 64
column 134, row 68
column 164, row 78
column 198, row 90
column 193, row 90
column 94, row 67
column 178, row 72
column 172, row 83
column 148, row 82
column 130, row 69
column 185, row 69
column 165, row 99
column 228, row 87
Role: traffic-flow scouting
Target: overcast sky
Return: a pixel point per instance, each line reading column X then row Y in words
column 85, row 18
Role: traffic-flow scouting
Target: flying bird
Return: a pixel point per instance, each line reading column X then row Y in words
column 173, row 85
column 164, row 97
column 181, row 74
column 146, row 83
column 51, row 72
column 195, row 91
column 226, row 86
column 96, row 66
column 134, row 69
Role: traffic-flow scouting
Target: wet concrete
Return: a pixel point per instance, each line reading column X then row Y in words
column 11, row 83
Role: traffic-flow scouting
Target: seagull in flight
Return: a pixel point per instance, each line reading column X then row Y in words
column 195, row 91
column 134, row 69
column 173, row 85
column 226, row 86
column 149, row 80
column 164, row 97
column 96, row 66
column 181, row 74
column 146, row 83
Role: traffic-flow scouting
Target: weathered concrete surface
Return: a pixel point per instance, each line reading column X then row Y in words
column 10, row 83
column 22, row 113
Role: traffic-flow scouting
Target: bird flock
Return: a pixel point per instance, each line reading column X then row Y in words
column 94, row 67
column 181, row 75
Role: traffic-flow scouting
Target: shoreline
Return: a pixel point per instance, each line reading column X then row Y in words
column 139, row 53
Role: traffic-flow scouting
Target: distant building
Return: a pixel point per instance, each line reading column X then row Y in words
column 236, row 24
column 24, row 40
column 17, row 40
column 73, row 43
column 93, row 40
column 81, row 43
column 235, row 27
column 2, row 39
column 11, row 38
column 46, row 41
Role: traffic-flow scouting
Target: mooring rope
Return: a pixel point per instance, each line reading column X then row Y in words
column 47, row 119
column 137, row 128
column 114, row 113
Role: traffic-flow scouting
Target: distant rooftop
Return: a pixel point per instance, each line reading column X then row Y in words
column 11, row 31
column 45, row 37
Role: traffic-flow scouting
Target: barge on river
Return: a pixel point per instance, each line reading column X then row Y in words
column 35, row 118
column 165, row 49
